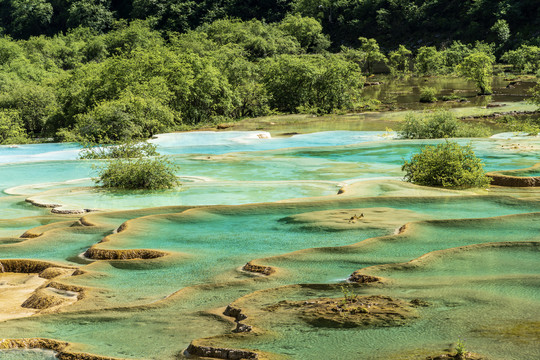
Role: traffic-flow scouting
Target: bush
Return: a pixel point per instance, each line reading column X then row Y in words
column 441, row 124
column 427, row 95
column 11, row 129
column 126, row 151
column 139, row 173
column 446, row 165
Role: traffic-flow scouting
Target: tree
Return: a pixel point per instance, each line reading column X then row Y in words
column 30, row 17
column 35, row 104
column 478, row 67
column 94, row 14
column 11, row 129
column 399, row 60
column 525, row 59
column 428, row 61
column 319, row 83
column 372, row 53
column 501, row 30
column 308, row 32
column 446, row 165
column 131, row 117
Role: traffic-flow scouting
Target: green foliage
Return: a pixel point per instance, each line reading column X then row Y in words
column 455, row 54
column 258, row 39
column 35, row 104
column 535, row 92
column 525, row 59
column 460, row 348
column 92, row 14
column 131, row 117
column 440, row 124
column 529, row 124
column 138, row 173
column 446, row 165
column 428, row 61
column 11, row 129
column 348, row 293
column 315, row 83
column 307, row 31
column 428, row 94
column 30, row 17
column 478, row 67
column 123, row 151
column 399, row 60
column 372, row 53
column 501, row 30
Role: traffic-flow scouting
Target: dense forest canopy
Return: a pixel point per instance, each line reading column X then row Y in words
column 111, row 71
column 414, row 23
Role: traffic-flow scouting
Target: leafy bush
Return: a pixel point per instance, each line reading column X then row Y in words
column 427, row 95
column 127, row 151
column 428, row 61
column 525, row 59
column 11, row 129
column 140, row 173
column 399, row 60
column 446, row 165
column 529, row 124
column 441, row 124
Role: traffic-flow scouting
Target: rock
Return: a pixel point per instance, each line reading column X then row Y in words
column 265, row 270
column 420, row 303
column 220, row 353
column 234, row 313
column 242, row 328
column 363, row 279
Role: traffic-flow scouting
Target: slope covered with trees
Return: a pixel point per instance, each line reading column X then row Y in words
column 510, row 23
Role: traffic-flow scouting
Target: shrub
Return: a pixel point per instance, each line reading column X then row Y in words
column 446, row 165
column 140, row 173
column 126, row 151
column 529, row 124
column 427, row 95
column 428, row 61
column 441, row 124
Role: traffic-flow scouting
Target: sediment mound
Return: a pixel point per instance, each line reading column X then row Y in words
column 354, row 311
column 101, row 254
column 27, row 266
column 53, row 272
column 49, row 297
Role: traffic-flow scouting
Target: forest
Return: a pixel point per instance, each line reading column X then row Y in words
column 111, row 71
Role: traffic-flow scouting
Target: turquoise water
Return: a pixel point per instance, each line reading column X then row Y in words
column 160, row 305
column 36, row 354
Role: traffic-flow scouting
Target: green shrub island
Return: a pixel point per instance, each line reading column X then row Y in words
column 438, row 125
column 428, row 95
column 138, row 173
column 448, row 165
column 123, row 151
column 131, row 166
